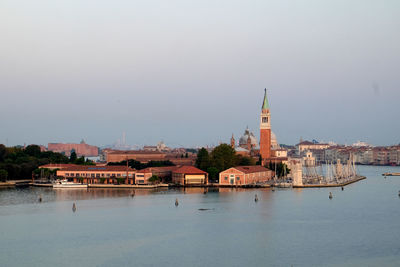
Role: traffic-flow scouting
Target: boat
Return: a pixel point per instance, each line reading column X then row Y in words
column 67, row 184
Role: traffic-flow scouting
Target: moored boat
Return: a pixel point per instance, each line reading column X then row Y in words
column 67, row 184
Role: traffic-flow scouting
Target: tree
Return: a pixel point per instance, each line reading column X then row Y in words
column 223, row 157
column 3, row 151
column 213, row 173
column 203, row 159
column 3, row 175
column 73, row 157
column 280, row 168
column 33, row 150
column 154, row 179
column 244, row 161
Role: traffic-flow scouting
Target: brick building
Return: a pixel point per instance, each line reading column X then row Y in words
column 98, row 174
column 244, row 175
column 81, row 149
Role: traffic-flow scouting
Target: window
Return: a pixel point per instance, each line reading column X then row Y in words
column 72, row 175
column 118, row 175
column 102, row 175
column 98, row 175
column 92, row 175
column 237, row 178
column 67, row 174
column 226, row 178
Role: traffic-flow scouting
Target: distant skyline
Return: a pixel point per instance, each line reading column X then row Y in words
column 192, row 73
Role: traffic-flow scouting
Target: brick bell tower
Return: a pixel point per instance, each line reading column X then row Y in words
column 265, row 130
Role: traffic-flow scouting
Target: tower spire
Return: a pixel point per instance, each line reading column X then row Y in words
column 265, row 104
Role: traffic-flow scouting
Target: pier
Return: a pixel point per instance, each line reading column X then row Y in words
column 391, row 174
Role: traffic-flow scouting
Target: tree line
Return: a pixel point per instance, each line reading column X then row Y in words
column 221, row 158
column 19, row 162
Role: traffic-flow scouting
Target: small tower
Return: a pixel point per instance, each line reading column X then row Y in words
column 265, row 130
column 249, row 146
column 233, row 142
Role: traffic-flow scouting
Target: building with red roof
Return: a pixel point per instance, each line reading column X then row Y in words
column 98, row 174
column 245, row 175
column 189, row 175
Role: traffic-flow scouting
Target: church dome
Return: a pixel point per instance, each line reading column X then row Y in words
column 245, row 137
column 274, row 141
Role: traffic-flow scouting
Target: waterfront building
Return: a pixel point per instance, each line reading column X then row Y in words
column 139, row 155
column 308, row 160
column 245, row 175
column 189, row 175
column 81, row 149
column 177, row 157
column 164, row 173
column 307, row 145
column 98, row 174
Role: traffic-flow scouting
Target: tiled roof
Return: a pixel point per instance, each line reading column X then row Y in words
column 56, row 165
column 98, row 168
column 127, row 152
column 251, row 169
column 189, row 170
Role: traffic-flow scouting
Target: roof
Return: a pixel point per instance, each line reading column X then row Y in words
column 126, row 152
column 189, row 170
column 158, row 169
column 308, row 143
column 265, row 104
column 251, row 169
column 89, row 168
column 56, row 165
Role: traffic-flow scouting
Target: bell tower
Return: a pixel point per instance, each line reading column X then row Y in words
column 233, row 143
column 265, row 130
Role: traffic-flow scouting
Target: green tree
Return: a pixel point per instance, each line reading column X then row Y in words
column 120, row 180
column 33, row 150
column 80, row 160
column 213, row 173
column 3, row 151
column 244, row 161
column 223, row 157
column 73, row 157
column 203, row 159
column 3, row 175
column 154, row 179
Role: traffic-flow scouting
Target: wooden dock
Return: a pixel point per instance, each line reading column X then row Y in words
column 359, row 178
column 391, row 174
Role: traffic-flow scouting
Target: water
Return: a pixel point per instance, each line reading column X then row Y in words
column 299, row 227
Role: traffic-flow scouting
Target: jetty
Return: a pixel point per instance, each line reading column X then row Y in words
column 391, row 174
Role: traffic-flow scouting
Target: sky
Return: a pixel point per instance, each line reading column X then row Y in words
column 192, row 73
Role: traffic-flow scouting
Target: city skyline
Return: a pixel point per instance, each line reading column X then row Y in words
column 192, row 75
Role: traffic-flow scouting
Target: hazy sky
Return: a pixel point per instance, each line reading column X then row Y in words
column 191, row 73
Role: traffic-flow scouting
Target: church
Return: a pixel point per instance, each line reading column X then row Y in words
column 268, row 148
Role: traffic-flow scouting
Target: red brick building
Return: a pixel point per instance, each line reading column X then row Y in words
column 245, row 175
column 81, row 149
column 98, row 174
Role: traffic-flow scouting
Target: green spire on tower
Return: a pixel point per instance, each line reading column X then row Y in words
column 265, row 102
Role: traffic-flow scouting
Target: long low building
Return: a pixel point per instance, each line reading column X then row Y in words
column 245, row 175
column 98, row 174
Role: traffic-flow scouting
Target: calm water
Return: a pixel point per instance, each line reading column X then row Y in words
column 360, row 226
